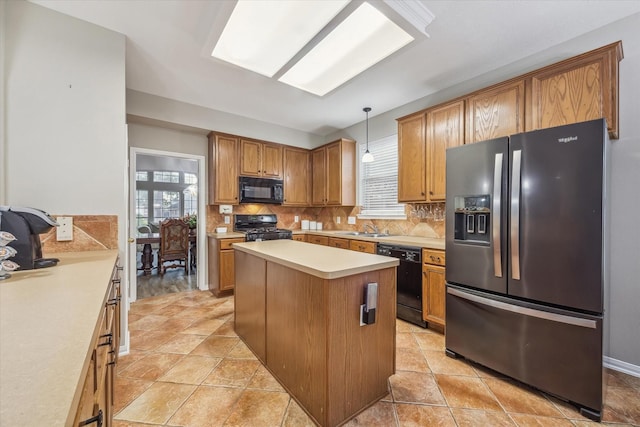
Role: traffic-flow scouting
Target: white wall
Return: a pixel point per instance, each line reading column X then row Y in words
column 160, row 138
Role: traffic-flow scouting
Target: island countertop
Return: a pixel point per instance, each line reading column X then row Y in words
column 48, row 319
column 320, row 261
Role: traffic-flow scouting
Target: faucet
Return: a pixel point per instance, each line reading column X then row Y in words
column 371, row 226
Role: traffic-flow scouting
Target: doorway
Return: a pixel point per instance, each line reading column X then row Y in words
column 164, row 185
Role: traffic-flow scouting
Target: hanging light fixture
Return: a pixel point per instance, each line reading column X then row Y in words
column 368, row 157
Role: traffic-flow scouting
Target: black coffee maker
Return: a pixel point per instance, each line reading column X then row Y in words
column 26, row 224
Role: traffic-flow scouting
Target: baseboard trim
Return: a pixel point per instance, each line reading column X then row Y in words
column 619, row 365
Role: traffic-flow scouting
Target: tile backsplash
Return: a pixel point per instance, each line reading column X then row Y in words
column 414, row 225
column 90, row 233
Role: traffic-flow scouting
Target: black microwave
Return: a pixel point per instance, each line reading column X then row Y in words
column 260, row 190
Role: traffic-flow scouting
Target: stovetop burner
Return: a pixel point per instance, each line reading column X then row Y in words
column 260, row 227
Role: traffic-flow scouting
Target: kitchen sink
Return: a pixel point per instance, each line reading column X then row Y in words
column 363, row 234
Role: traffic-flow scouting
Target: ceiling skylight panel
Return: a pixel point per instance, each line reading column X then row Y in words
column 262, row 36
column 364, row 38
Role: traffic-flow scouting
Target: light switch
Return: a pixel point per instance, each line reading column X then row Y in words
column 64, row 232
column 337, row 220
column 351, row 220
column 296, row 218
column 227, row 219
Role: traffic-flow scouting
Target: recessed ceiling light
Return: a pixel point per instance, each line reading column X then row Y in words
column 363, row 39
column 262, row 36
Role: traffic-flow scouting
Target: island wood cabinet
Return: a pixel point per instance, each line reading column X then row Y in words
column 221, row 265
column 334, row 174
column 223, row 169
column 95, row 405
column 297, row 176
column 433, row 286
column 495, row 112
column 423, row 139
column 581, row 88
column 261, row 159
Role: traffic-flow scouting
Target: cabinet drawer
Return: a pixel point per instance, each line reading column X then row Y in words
column 434, row 257
column 226, row 243
column 318, row 240
column 362, row 246
column 299, row 237
column 338, row 242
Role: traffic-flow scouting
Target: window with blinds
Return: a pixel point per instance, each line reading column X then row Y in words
column 379, row 180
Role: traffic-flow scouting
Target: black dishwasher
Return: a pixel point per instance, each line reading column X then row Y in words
column 408, row 282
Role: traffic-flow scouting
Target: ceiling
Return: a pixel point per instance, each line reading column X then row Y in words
column 169, row 44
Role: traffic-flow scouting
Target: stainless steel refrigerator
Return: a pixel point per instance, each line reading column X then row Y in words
column 526, row 265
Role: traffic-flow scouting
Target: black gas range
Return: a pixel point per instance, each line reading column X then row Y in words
column 260, row 227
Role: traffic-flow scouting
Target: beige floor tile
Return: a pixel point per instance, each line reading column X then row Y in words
column 480, row 418
column 421, row 416
column 430, row 341
column 191, row 370
column 181, row 343
column 241, row 351
column 149, row 340
column 176, row 324
column 467, row 392
column 216, row 346
column 118, row 423
column 263, row 380
column 258, row 408
column 379, row 414
column 406, row 340
column 440, row 363
column 408, row 359
column 148, row 322
column 415, row 387
column 203, row 327
column 128, row 359
column 151, row 367
column 157, row 404
column 527, row 420
column 296, row 417
column 566, row 409
column 622, row 404
column 233, row 373
column 175, row 309
column 126, row 390
column 206, row 407
column 514, row 397
column 227, row 329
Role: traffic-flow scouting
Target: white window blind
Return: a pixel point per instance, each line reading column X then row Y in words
column 379, row 179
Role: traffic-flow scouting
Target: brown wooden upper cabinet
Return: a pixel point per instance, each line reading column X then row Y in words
column 495, row 112
column 260, row 159
column 223, row 169
column 333, row 174
column 581, row 88
column 422, row 142
column 297, row 176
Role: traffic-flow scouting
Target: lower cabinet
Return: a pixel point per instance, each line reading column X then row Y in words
column 299, row 237
column 222, row 265
column 433, row 286
column 95, row 407
column 338, row 242
column 318, row 240
column 362, row 246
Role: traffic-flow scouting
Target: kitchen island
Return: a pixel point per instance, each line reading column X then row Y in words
column 298, row 306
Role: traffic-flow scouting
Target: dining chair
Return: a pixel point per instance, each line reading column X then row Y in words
column 174, row 245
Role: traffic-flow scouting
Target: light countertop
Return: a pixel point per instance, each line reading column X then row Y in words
column 418, row 241
column 320, row 261
column 48, row 319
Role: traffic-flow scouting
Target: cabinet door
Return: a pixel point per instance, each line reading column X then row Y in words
column 250, row 158
column 227, row 270
column 272, row 161
column 299, row 237
column 445, row 129
column 223, row 175
column 362, row 246
column 579, row 89
column 297, row 177
column 412, row 159
column 318, row 240
column 319, row 177
column 433, row 294
column 334, row 174
column 338, row 242
column 495, row 112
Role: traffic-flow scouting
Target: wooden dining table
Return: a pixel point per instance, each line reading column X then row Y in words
column 147, row 239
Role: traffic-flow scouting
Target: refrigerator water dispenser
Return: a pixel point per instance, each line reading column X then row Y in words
column 472, row 218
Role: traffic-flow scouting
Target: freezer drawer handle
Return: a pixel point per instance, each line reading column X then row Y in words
column 497, row 217
column 515, row 215
column 560, row 318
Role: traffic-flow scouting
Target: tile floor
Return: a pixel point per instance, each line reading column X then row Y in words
column 188, row 368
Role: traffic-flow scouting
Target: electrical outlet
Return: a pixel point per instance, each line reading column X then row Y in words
column 227, row 219
column 296, row 218
column 64, row 232
column 226, row 209
column 337, row 220
column 351, row 220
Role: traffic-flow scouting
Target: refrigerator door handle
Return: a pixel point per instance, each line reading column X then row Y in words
column 497, row 216
column 531, row 312
column 515, row 214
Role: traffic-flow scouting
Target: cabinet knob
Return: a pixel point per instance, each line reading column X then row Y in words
column 422, row 194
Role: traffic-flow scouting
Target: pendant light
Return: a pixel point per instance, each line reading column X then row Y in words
column 368, row 157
